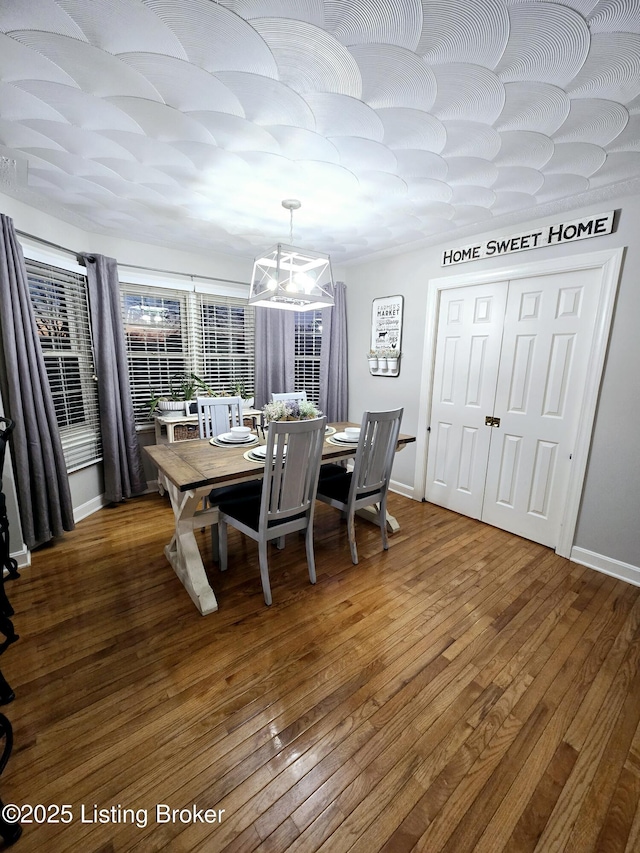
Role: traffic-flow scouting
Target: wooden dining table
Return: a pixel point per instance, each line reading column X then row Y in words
column 188, row 471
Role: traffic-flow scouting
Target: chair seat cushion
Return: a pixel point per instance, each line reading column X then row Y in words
column 337, row 487
column 247, row 511
column 231, row 493
column 331, row 470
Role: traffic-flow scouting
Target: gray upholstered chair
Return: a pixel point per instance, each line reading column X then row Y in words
column 368, row 483
column 287, row 499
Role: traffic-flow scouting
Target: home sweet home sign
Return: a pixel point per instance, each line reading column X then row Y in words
column 550, row 235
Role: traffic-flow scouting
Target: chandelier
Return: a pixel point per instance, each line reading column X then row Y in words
column 291, row 278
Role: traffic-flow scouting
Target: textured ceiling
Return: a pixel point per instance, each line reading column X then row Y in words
column 395, row 122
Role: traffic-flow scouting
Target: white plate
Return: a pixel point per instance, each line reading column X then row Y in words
column 262, row 451
column 217, row 442
column 232, row 439
column 342, row 436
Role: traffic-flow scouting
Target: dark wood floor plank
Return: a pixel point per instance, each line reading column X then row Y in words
column 465, row 690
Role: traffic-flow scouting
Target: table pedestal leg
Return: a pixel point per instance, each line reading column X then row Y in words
column 372, row 513
column 183, row 553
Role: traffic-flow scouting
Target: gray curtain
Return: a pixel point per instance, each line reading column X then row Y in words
column 334, row 385
column 122, row 459
column 41, row 477
column 274, row 353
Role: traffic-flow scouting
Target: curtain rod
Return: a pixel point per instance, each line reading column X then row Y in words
column 134, row 266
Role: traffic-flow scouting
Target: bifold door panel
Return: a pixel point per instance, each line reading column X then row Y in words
column 509, row 378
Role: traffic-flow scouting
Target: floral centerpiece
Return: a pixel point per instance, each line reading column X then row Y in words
column 290, row 410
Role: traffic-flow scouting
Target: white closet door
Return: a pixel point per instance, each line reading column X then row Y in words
column 548, row 333
column 465, row 373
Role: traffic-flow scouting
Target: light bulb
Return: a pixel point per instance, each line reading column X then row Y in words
column 304, row 281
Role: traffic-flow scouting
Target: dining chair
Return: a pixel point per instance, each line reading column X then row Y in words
column 289, row 395
column 287, row 499
column 10, row 831
column 368, row 483
column 217, row 415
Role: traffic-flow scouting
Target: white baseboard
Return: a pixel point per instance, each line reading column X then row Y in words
column 22, row 558
column 88, row 508
column 403, row 489
column 606, row 565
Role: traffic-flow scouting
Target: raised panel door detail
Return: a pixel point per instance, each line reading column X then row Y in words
column 442, row 452
column 542, row 480
column 476, row 370
column 509, row 464
column 521, row 373
column 569, row 302
column 482, row 311
column 449, row 370
column 558, row 374
column 467, row 459
column 455, row 312
column 530, row 305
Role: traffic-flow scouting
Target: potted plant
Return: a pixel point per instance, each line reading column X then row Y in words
column 372, row 358
column 290, row 410
column 393, row 356
column 182, row 387
column 240, row 390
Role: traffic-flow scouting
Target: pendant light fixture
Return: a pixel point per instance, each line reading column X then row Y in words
column 291, row 278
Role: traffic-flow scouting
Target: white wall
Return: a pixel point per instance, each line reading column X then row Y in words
column 608, row 523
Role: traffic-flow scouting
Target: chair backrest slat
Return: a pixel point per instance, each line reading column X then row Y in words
column 290, row 395
column 290, row 483
column 218, row 414
column 376, row 450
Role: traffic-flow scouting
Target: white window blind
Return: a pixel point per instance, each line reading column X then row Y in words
column 59, row 299
column 158, row 342
column 228, row 344
column 308, row 325
column 170, row 333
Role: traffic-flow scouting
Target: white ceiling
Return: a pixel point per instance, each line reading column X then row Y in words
column 397, row 123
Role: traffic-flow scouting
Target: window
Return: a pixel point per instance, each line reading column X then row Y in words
column 59, row 299
column 228, row 344
column 173, row 332
column 308, row 341
column 157, row 338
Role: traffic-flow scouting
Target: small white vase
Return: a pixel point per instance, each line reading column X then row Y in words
column 382, row 363
column 373, row 363
column 392, row 363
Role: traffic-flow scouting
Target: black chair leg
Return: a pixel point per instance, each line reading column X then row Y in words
column 10, row 832
column 6, row 693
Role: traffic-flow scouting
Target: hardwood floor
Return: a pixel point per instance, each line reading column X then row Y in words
column 465, row 691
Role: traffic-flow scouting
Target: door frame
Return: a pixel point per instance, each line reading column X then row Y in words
column 609, row 262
